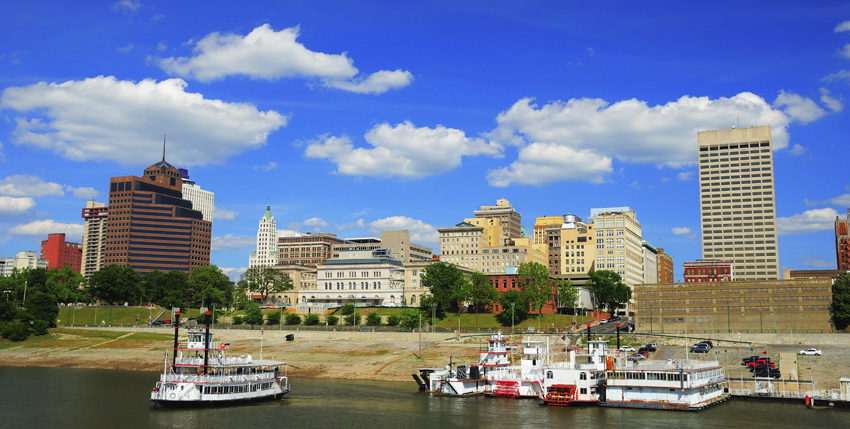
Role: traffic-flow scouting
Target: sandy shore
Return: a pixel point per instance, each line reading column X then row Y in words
column 391, row 356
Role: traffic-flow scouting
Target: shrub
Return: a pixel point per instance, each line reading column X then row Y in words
column 346, row 309
column 393, row 320
column 16, row 331
column 238, row 320
column 39, row 327
column 332, row 320
column 350, row 319
column 293, row 319
column 372, row 319
column 311, row 319
column 273, row 318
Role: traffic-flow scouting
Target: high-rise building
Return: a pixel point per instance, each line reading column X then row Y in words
column 509, row 220
column 202, row 201
column 151, row 227
column 842, row 242
column 306, row 249
column 570, row 247
column 619, row 246
column 650, row 263
column 266, row 254
column 398, row 242
column 737, row 200
column 59, row 252
column 664, row 262
column 94, row 237
column 24, row 259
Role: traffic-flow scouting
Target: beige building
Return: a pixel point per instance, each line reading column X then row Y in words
column 303, row 282
column 509, row 220
column 305, row 248
column 362, row 277
column 800, row 305
column 619, row 246
column 650, row 263
column 461, row 245
column 94, row 237
column 737, row 200
column 570, row 246
column 468, row 246
column 398, row 241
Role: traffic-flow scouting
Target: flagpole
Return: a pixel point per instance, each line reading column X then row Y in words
column 262, row 330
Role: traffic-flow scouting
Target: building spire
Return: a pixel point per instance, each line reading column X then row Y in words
column 163, row 147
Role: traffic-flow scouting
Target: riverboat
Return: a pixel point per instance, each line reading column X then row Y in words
column 672, row 385
column 201, row 374
column 523, row 381
column 461, row 380
column 580, row 380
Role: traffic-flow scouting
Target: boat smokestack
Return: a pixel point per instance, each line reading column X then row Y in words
column 207, row 342
column 176, row 333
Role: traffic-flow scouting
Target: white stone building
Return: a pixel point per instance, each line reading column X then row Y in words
column 266, row 254
column 363, row 277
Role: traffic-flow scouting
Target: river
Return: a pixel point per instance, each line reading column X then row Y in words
column 82, row 398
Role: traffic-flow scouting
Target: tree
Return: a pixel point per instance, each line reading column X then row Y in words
column 353, row 319
column 393, row 320
column 346, row 309
column 533, row 279
column 514, row 308
column 273, row 318
column 409, row 318
column 64, row 284
column 42, row 306
column 210, row 286
column 840, row 307
column 566, row 294
column 311, row 319
column 608, row 290
column 265, row 280
column 293, row 319
column 8, row 311
column 448, row 288
column 115, row 284
column 372, row 319
column 480, row 292
column 176, row 290
column 253, row 314
column 331, row 320
column 16, row 331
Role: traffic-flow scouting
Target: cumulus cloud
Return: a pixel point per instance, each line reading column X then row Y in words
column 103, row 118
column 268, row 167
column 841, row 200
column 126, row 49
column 840, row 75
column 359, row 223
column 83, row 193
column 799, row 108
column 420, row 232
column 402, row 150
column 47, row 226
column 16, row 205
column 286, row 233
column 684, row 231
column 316, row 222
column 833, row 103
column 685, row 176
column 233, row 273
column 270, row 55
column 552, row 135
column 808, row 221
column 232, row 242
column 845, row 51
column 797, row 150
column 22, row 185
column 844, row 26
column 224, row 214
column 127, row 6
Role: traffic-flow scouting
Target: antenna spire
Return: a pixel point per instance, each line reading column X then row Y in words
column 163, row 147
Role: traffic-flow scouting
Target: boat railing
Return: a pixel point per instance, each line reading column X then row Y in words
column 227, row 360
column 244, row 378
column 516, row 374
column 654, row 365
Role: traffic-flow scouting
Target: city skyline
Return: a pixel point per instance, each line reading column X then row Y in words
column 414, row 116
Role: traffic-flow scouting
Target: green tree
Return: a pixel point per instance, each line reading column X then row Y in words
column 331, row 320
column 114, row 284
column 566, row 294
column 311, row 319
column 533, row 280
column 353, row 319
column 480, row 292
column 265, row 280
column 210, row 286
column 448, row 288
column 608, row 290
column 393, row 320
column 273, row 318
column 840, row 307
column 410, row 318
column 253, row 314
column 372, row 319
column 346, row 309
column 293, row 319
column 65, row 284
column 39, row 328
column 176, row 290
column 42, row 306
column 15, row 331
column 8, row 311
column 513, row 304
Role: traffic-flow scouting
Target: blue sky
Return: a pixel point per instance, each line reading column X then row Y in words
column 351, row 117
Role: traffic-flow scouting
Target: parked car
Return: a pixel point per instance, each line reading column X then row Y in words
column 768, row 373
column 747, row 360
column 156, row 323
column 810, row 352
column 603, row 321
column 637, row 356
column 708, row 343
column 763, row 367
column 752, row 365
column 627, row 349
column 699, row 348
column 650, row 347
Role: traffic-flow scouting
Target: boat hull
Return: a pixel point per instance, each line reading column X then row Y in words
column 164, row 403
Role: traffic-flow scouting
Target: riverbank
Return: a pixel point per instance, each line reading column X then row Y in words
column 388, row 356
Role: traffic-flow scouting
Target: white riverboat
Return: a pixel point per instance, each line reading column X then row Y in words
column 580, row 380
column 460, row 380
column 525, row 380
column 201, row 374
column 665, row 385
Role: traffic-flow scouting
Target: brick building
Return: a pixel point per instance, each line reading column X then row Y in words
column 58, row 252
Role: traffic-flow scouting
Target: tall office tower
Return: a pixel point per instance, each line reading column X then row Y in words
column 59, row 252
column 664, row 262
column 543, row 227
column 203, row 201
column 842, row 242
column 650, row 263
column 94, row 237
column 151, row 227
column 737, row 200
column 509, row 219
column 570, row 247
column 398, row 243
column 619, row 246
column 307, row 249
column 266, row 254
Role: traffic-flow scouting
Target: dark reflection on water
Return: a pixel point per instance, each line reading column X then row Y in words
column 72, row 398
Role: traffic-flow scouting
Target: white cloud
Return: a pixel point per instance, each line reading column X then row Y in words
column 224, row 214
column 270, row 55
column 833, row 103
column 808, row 221
column 126, row 49
column 841, row 200
column 83, row 193
column 844, row 26
column 809, row 261
column 809, row 203
column 845, row 51
column 268, row 167
column 685, row 231
column 402, row 150
column 685, row 176
column 161, row 46
column 316, row 222
column 16, row 205
column 359, row 223
column 629, row 130
column 233, row 273
column 286, row 233
column 47, row 226
column 799, row 108
column 840, row 75
column 420, row 232
column 21, row 185
column 797, row 150
column 231, row 242
column 103, row 118
column 127, row 6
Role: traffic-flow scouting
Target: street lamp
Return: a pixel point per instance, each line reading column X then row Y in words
column 433, row 316
column 7, row 294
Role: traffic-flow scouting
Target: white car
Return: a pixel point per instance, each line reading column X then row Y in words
column 810, row 352
column 627, row 349
column 603, row 321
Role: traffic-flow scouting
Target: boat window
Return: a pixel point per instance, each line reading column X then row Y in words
column 549, row 374
column 583, row 376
